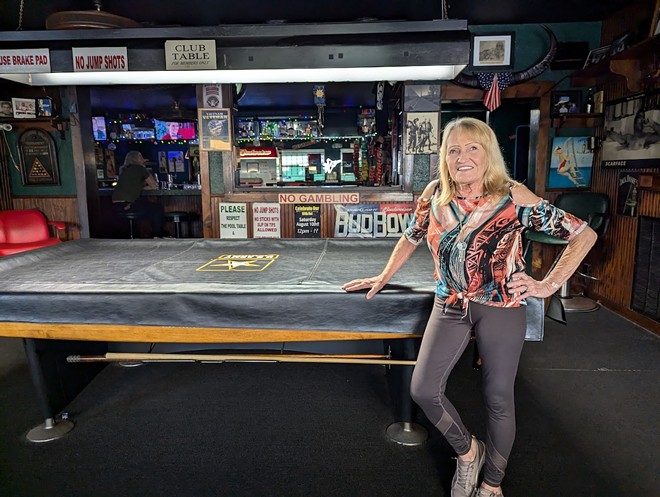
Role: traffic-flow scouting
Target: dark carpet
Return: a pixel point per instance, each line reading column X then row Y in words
column 587, row 402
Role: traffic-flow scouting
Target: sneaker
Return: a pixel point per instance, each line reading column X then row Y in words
column 466, row 477
column 482, row 492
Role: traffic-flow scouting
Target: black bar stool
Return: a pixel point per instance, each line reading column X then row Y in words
column 131, row 216
column 177, row 217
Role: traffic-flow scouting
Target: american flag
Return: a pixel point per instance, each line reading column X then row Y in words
column 494, row 84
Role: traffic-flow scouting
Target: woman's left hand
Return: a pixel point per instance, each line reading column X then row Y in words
column 521, row 285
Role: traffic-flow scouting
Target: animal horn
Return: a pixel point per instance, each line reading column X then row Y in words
column 471, row 81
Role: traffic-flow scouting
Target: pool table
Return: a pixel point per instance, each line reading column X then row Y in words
column 80, row 298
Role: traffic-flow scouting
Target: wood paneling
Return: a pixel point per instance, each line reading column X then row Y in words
column 63, row 209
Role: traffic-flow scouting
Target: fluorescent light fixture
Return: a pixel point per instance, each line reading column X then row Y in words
column 309, row 75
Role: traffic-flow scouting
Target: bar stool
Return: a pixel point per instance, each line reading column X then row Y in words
column 131, row 216
column 177, row 217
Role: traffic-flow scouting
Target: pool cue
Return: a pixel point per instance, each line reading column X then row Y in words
column 130, row 356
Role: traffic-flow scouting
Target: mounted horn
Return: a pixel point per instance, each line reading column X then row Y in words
column 471, row 81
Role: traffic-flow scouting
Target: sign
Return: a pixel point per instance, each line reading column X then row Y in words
column 626, row 198
column 24, row 61
column 266, row 220
column 214, row 129
column 233, row 220
column 100, row 59
column 38, row 158
column 190, row 55
column 258, row 153
column 372, row 220
column 211, row 95
column 318, row 198
column 308, row 220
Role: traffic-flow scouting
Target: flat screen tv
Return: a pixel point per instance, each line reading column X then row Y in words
column 175, row 130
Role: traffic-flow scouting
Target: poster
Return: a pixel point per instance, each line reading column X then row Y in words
column 421, row 98
column 632, row 132
column 265, row 220
column 214, row 130
column 372, row 220
column 570, row 163
column 233, row 220
column 626, row 197
column 307, row 220
column 421, row 133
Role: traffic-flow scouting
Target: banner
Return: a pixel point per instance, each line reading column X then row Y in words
column 372, row 220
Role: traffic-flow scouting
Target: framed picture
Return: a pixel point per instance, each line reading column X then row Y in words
column 632, row 131
column 421, row 133
column 44, row 107
column 24, row 108
column 214, row 129
column 6, row 109
column 492, row 52
column 597, row 55
column 38, row 158
column 421, row 98
column 571, row 163
column 566, row 102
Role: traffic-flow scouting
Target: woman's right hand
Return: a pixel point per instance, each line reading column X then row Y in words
column 375, row 284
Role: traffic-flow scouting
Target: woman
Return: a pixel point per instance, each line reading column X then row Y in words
column 172, row 131
column 473, row 218
column 127, row 195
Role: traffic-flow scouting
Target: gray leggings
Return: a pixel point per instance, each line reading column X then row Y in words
column 500, row 334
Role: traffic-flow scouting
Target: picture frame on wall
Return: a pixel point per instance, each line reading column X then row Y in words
column 597, row 55
column 38, row 158
column 421, row 133
column 632, row 131
column 6, row 109
column 214, row 130
column 492, row 52
column 24, row 108
column 566, row 102
column 571, row 163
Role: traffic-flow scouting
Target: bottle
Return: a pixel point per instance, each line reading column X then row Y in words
column 589, row 102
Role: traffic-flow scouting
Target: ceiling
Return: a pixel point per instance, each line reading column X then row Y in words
column 191, row 13
column 152, row 13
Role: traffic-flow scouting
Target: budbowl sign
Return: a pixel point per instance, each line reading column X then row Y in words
column 372, row 220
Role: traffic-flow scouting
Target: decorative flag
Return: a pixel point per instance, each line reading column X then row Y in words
column 494, row 83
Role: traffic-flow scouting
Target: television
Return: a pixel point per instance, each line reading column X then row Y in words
column 98, row 128
column 175, row 130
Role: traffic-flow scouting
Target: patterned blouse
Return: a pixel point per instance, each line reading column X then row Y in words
column 477, row 244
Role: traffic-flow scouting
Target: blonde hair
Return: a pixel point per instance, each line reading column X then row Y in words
column 496, row 178
column 134, row 157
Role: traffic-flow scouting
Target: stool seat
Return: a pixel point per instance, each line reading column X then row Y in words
column 177, row 217
column 131, row 216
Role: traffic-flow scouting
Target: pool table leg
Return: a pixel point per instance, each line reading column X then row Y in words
column 403, row 431
column 57, row 383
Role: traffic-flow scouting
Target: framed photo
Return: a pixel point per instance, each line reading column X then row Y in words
column 44, row 107
column 421, row 98
column 571, row 163
column 6, row 109
column 24, row 108
column 214, row 130
column 421, row 133
column 491, row 52
column 632, row 131
column 566, row 102
column 597, row 55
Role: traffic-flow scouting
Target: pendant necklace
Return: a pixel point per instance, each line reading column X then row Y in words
column 461, row 244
